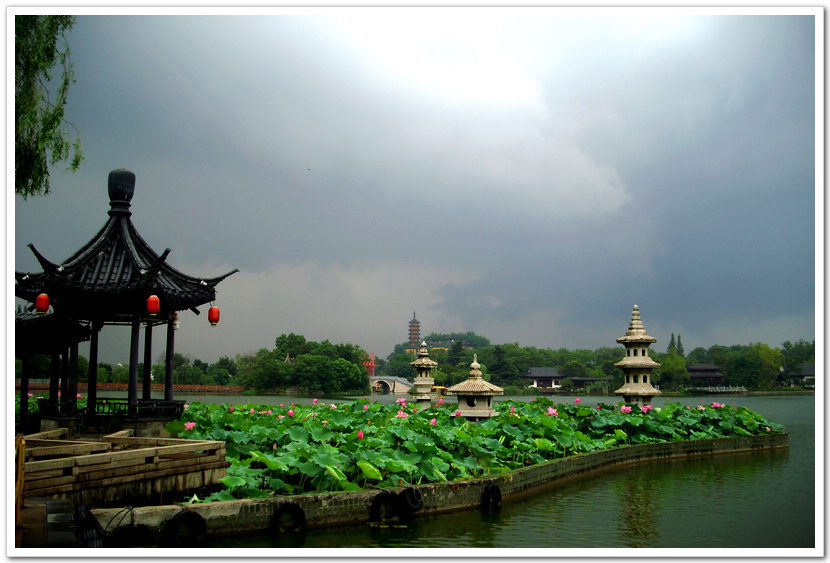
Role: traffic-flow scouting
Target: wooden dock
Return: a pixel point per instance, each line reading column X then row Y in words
column 118, row 468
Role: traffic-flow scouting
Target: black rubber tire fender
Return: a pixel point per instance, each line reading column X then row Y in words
column 411, row 499
column 383, row 507
column 288, row 518
column 491, row 496
column 185, row 529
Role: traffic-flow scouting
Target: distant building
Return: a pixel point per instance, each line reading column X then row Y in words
column 551, row 378
column 805, row 375
column 544, row 378
column 706, row 375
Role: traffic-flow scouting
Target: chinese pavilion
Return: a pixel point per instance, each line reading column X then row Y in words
column 114, row 279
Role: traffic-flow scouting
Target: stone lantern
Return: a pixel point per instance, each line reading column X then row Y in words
column 475, row 396
column 423, row 380
column 637, row 365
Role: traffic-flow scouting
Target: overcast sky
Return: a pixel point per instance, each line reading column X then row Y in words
column 528, row 175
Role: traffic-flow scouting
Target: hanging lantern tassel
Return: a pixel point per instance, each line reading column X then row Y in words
column 213, row 315
column 153, row 305
column 42, row 303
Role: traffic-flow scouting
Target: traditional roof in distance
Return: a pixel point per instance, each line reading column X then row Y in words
column 113, row 274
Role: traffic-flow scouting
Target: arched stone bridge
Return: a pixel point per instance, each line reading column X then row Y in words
column 391, row 385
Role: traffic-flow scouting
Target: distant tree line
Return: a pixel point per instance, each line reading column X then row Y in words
column 323, row 367
column 755, row 366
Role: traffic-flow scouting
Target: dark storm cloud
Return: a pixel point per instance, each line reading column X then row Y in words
column 528, row 177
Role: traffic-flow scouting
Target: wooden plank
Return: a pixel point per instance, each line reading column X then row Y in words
column 47, row 464
column 47, row 443
column 72, row 450
column 148, row 452
column 119, row 434
column 149, row 471
column 133, row 441
column 47, row 434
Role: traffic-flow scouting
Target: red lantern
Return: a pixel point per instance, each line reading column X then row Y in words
column 213, row 315
column 153, row 305
column 42, row 303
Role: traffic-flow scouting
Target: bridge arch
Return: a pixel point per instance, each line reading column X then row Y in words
column 391, row 385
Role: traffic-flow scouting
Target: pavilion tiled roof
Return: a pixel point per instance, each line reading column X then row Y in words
column 112, row 275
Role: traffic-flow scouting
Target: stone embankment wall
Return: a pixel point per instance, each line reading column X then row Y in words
column 373, row 504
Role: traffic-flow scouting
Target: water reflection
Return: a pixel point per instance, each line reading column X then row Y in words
column 637, row 512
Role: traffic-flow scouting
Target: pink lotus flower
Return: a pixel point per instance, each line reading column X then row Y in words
column 717, row 405
column 512, row 409
column 457, row 413
column 440, row 400
column 401, row 414
column 625, row 409
column 274, row 447
column 290, row 412
column 230, row 409
column 552, row 412
column 198, row 398
column 646, row 408
column 577, row 400
column 433, row 422
column 360, row 434
column 701, row 408
column 281, row 416
column 280, row 404
column 79, row 396
column 414, row 410
column 252, row 411
column 186, row 406
column 189, row 425
column 31, row 394
column 314, row 402
column 333, row 406
column 366, row 407
column 768, row 429
column 599, row 408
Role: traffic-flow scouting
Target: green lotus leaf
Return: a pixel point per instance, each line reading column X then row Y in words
column 298, row 433
column 336, row 473
column 369, row 470
column 231, row 481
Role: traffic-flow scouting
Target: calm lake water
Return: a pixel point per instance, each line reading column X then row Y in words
column 762, row 501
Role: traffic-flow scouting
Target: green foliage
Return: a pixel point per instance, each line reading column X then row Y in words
column 41, row 137
column 309, row 448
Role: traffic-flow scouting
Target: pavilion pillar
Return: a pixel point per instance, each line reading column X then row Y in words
column 72, row 379
column 28, row 360
column 92, row 375
column 64, row 380
column 147, row 387
column 54, row 379
column 132, row 383
column 168, row 360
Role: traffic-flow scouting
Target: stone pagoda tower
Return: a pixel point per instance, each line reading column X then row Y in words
column 637, row 365
column 423, row 380
column 475, row 396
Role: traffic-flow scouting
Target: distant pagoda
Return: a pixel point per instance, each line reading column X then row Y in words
column 414, row 335
column 637, row 365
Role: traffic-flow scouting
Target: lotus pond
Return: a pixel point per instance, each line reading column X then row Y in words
column 293, row 448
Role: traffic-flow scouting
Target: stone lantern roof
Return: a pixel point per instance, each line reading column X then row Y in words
column 636, row 331
column 475, row 384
